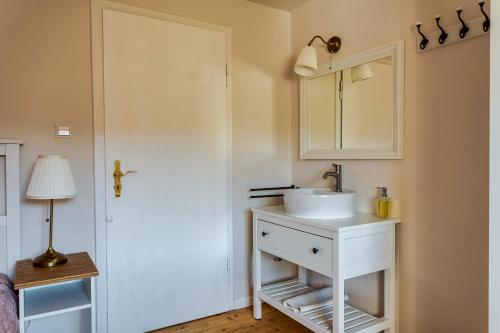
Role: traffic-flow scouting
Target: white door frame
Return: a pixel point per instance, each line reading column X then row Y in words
column 97, row 7
column 494, row 221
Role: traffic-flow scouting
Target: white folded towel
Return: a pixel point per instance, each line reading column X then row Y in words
column 311, row 300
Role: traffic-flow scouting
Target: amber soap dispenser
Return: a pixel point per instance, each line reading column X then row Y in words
column 384, row 203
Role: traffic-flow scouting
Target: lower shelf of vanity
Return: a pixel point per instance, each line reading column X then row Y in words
column 319, row 320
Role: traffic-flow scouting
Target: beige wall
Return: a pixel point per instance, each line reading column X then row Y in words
column 444, row 245
column 442, row 183
column 45, row 66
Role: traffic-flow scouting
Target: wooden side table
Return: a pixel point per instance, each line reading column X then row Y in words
column 45, row 292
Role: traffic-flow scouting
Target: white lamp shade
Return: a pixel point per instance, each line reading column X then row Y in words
column 307, row 62
column 361, row 72
column 51, row 179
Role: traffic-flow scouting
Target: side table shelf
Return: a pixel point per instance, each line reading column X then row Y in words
column 55, row 299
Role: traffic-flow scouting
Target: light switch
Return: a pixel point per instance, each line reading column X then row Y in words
column 63, row 131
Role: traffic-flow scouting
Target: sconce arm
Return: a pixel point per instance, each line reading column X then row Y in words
column 317, row 36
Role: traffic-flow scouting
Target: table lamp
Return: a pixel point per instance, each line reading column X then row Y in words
column 51, row 180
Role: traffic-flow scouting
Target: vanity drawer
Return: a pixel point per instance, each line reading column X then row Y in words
column 316, row 251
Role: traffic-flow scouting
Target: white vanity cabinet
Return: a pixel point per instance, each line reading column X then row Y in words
column 337, row 248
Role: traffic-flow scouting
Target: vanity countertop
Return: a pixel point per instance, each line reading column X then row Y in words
column 358, row 221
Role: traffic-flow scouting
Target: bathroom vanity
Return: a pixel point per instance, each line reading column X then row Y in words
column 340, row 248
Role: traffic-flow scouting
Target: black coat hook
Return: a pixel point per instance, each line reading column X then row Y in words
column 424, row 41
column 444, row 35
column 486, row 23
column 465, row 29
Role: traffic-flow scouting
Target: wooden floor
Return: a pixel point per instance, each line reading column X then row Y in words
column 241, row 321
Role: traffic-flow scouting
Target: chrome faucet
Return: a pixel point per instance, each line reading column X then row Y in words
column 337, row 174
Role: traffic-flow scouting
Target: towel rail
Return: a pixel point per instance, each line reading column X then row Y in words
column 270, row 189
column 265, row 196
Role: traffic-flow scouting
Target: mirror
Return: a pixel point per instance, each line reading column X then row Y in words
column 353, row 108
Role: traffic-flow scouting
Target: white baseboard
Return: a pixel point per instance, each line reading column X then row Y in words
column 242, row 303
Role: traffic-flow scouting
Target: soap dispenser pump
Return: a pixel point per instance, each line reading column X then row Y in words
column 384, row 203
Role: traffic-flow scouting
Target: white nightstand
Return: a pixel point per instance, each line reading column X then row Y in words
column 45, row 292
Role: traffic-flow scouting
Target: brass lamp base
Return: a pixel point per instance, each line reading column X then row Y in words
column 50, row 258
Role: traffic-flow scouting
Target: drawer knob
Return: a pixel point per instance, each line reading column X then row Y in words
column 315, row 250
column 264, row 234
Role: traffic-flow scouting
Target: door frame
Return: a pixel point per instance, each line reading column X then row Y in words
column 97, row 6
column 494, row 181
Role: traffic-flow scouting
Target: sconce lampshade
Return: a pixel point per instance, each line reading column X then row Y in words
column 361, row 72
column 307, row 62
column 51, row 179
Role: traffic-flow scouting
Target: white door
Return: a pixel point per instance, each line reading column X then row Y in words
column 165, row 116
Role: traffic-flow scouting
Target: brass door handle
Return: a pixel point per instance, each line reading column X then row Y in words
column 117, row 175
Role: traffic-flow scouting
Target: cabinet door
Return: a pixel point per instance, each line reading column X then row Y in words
column 367, row 254
column 305, row 249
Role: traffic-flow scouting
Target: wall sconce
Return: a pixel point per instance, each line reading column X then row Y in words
column 307, row 62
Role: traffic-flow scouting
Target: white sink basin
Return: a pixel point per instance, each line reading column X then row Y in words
column 320, row 203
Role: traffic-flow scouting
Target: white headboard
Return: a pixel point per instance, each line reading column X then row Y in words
column 10, row 216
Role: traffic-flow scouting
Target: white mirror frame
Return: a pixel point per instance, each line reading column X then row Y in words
column 394, row 49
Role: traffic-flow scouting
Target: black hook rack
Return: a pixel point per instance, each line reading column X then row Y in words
column 444, row 35
column 465, row 29
column 424, row 41
column 486, row 23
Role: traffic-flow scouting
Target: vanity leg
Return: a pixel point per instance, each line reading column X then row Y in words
column 338, row 283
column 257, row 284
column 257, row 276
column 21, row 311
column 390, row 287
column 303, row 275
column 93, row 314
